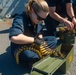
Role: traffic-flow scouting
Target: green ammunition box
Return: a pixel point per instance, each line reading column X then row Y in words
column 67, row 38
column 49, row 65
column 69, row 49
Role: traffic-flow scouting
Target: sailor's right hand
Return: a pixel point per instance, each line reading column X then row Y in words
column 69, row 25
column 38, row 39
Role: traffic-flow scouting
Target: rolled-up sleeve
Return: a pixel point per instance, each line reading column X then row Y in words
column 17, row 26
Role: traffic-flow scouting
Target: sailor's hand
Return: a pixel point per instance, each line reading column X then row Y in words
column 38, row 39
column 69, row 25
column 74, row 22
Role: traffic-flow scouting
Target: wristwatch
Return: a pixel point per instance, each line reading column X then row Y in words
column 73, row 17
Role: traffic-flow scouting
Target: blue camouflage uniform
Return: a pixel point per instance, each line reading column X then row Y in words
column 23, row 25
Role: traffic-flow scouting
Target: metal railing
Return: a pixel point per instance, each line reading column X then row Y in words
column 3, row 3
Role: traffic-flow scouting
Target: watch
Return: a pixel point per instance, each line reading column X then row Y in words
column 73, row 17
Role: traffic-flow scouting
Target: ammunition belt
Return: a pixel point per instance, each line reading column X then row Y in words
column 41, row 50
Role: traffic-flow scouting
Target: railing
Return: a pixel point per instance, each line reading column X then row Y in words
column 3, row 3
column 11, row 7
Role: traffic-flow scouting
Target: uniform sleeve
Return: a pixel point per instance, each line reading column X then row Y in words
column 69, row 1
column 51, row 3
column 17, row 26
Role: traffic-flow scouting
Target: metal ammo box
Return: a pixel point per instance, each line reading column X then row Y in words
column 68, row 37
column 48, row 65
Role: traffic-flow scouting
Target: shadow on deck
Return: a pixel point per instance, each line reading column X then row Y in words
column 8, row 65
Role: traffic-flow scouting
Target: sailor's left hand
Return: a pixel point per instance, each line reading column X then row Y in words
column 74, row 22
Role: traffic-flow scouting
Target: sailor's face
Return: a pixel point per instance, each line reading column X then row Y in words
column 38, row 17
